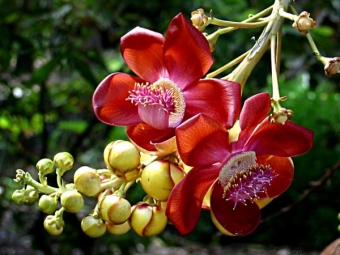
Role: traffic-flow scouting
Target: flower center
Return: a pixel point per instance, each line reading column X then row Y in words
column 165, row 94
column 243, row 179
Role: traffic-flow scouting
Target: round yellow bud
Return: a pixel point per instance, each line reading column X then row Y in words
column 147, row 220
column 114, row 209
column 159, row 177
column 45, row 166
column 48, row 204
column 121, row 156
column 72, row 201
column 118, row 229
column 63, row 161
column 93, row 226
column 53, row 226
column 87, row 181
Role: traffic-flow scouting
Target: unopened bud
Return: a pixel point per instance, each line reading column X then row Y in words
column 63, row 161
column 332, row 66
column 53, row 225
column 304, row 23
column 72, row 201
column 199, row 19
column 148, row 220
column 18, row 196
column 121, row 157
column 118, row 229
column 114, row 209
column 87, row 181
column 45, row 166
column 48, row 204
column 159, row 177
column 93, row 226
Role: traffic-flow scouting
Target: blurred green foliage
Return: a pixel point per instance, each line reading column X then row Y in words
column 53, row 53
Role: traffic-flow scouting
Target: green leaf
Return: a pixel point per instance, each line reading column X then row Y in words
column 76, row 126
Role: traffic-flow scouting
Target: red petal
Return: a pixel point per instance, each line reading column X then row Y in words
column 186, row 52
column 240, row 221
column 284, row 169
column 145, row 136
column 254, row 110
column 109, row 100
column 201, row 141
column 286, row 140
column 218, row 99
column 185, row 200
column 142, row 50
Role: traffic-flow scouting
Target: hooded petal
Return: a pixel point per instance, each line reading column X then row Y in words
column 286, row 140
column 142, row 50
column 254, row 110
column 284, row 170
column 154, row 116
column 201, row 141
column 109, row 100
column 218, row 99
column 238, row 221
column 186, row 52
column 145, row 136
column 186, row 198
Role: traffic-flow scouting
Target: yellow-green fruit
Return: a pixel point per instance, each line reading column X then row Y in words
column 118, row 229
column 148, row 220
column 72, row 201
column 93, row 226
column 159, row 177
column 114, row 209
column 48, row 204
column 121, row 156
column 87, row 181
column 52, row 226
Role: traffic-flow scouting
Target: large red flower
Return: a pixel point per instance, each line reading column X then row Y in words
column 168, row 90
column 243, row 174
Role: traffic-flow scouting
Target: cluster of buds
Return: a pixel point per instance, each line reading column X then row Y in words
column 113, row 213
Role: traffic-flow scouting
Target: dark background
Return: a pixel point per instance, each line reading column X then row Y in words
column 53, row 54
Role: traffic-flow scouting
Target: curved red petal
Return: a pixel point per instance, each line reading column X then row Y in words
column 194, row 132
column 142, row 50
column 145, row 136
column 109, row 100
column 254, row 110
column 239, row 221
column 286, row 140
column 185, row 200
column 283, row 168
column 218, row 99
column 186, row 52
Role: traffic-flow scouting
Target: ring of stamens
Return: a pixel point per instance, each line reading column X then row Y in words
column 164, row 93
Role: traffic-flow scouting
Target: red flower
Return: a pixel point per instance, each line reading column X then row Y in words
column 168, row 90
column 243, row 175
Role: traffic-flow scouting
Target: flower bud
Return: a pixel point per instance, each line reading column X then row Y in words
column 114, row 209
column 48, row 204
column 18, row 196
column 93, row 226
column 199, row 19
column 148, row 220
column 121, row 157
column 72, row 201
column 87, row 181
column 45, row 166
column 63, row 161
column 332, row 66
column 159, row 177
column 118, row 229
column 304, row 23
column 31, row 194
column 54, row 227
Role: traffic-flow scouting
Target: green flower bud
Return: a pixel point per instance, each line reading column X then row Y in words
column 114, row 209
column 63, row 161
column 118, row 229
column 45, row 166
column 18, row 196
column 72, row 201
column 48, row 204
column 148, row 220
column 53, row 226
column 159, row 177
column 87, row 181
column 121, row 157
column 93, row 226
column 31, row 194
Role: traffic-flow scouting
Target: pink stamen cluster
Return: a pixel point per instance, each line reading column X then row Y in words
column 247, row 184
column 150, row 94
